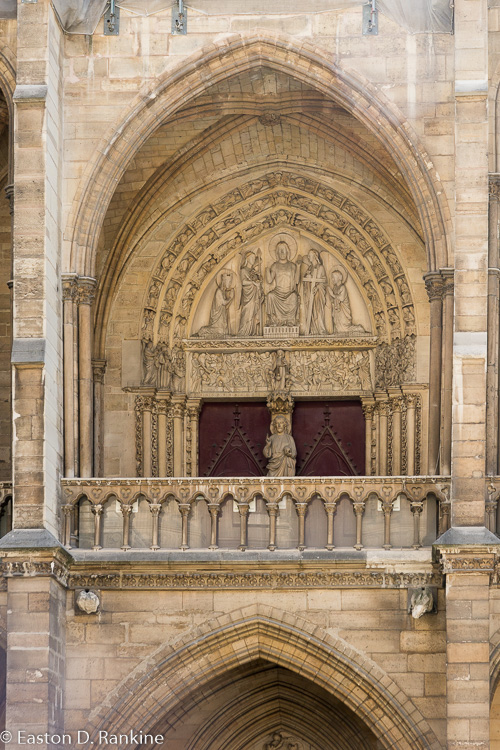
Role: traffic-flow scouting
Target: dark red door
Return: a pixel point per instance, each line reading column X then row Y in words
column 232, row 437
column 330, row 438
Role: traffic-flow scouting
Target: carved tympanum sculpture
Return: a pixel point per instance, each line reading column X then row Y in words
column 251, row 295
column 282, row 301
column 280, row 450
column 218, row 325
column 341, row 305
column 313, row 280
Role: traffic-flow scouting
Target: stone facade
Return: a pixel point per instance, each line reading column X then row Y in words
column 273, row 210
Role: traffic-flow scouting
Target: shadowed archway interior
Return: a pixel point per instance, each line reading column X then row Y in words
column 258, row 704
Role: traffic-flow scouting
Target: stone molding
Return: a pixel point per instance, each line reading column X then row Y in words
column 149, row 575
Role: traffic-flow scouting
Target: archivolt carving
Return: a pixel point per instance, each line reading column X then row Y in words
column 341, row 225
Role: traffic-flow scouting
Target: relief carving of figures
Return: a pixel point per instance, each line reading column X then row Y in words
column 218, row 325
column 163, row 365
column 251, row 295
column 148, row 363
column 313, row 280
column 280, row 373
column 395, row 363
column 282, row 301
column 280, row 450
column 162, row 368
column 341, row 306
column 237, row 372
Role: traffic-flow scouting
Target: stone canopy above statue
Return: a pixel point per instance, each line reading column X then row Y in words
column 285, row 286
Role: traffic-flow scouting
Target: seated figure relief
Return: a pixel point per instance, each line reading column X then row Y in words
column 282, row 300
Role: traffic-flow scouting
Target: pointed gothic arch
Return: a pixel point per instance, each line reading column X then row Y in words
column 166, row 678
column 233, row 55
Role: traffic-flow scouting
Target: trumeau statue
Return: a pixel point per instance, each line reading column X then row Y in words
column 282, row 301
column 280, row 449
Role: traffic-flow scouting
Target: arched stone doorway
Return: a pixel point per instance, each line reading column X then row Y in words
column 242, row 676
column 261, row 706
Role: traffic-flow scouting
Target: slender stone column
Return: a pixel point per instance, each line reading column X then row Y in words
column 411, row 402
column 396, row 404
column 147, row 408
column 70, row 326
column 368, row 411
column 98, row 369
column 178, row 407
column 447, row 394
column 162, row 408
column 493, row 371
column 86, row 293
column 383, row 415
column 434, row 285
column 193, row 409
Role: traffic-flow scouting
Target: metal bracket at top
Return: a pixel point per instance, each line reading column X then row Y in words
column 179, row 18
column 112, row 20
column 370, row 19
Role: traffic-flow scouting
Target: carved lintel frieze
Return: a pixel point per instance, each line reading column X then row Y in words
column 254, row 579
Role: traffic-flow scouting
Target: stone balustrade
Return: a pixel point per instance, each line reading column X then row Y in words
column 253, row 513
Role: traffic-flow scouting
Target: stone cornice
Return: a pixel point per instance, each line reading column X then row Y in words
column 103, row 571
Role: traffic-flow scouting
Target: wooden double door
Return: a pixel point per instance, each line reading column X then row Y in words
column 329, row 435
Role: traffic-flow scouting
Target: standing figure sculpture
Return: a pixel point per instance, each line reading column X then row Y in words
column 313, row 278
column 218, row 325
column 341, row 306
column 251, row 295
column 282, row 301
column 280, row 449
column 149, row 372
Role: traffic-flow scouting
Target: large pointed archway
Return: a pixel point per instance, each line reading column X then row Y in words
column 261, row 648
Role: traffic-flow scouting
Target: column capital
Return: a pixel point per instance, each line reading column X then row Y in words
column 434, row 284
column 86, row 287
column 98, row 370
column 494, row 186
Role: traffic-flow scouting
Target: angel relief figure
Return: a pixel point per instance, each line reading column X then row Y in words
column 218, row 324
column 251, row 294
column 341, row 305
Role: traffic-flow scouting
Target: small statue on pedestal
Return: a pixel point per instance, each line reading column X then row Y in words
column 280, row 449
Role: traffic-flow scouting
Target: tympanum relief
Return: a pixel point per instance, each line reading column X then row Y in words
column 276, row 291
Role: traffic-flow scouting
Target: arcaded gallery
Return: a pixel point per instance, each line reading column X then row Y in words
column 250, row 374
